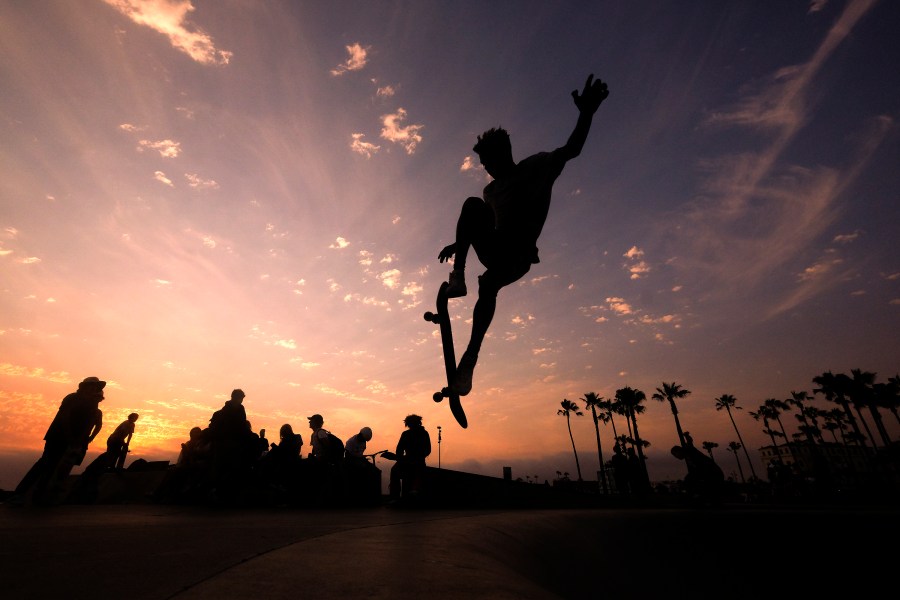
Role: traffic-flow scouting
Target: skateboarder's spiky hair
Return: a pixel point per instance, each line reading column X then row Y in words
column 494, row 141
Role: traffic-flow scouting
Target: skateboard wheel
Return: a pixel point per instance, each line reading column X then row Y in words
column 430, row 316
column 437, row 397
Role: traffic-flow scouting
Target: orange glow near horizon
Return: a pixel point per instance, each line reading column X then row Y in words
column 198, row 197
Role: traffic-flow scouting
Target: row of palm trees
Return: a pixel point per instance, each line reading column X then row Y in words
column 855, row 393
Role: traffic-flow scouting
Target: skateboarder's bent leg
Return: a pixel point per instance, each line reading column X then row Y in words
column 474, row 228
column 489, row 285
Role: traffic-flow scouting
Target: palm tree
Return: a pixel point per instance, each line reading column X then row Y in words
column 776, row 407
column 807, row 416
column 892, row 401
column 734, row 447
column 630, row 400
column 708, row 446
column 863, row 396
column 668, row 393
column 836, row 388
column 834, row 422
column 569, row 407
column 592, row 401
column 608, row 406
column 766, row 414
column 729, row 402
column 886, row 396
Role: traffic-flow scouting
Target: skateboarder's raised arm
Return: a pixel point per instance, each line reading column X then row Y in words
column 594, row 93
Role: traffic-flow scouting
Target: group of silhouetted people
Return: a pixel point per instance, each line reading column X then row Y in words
column 76, row 423
column 227, row 462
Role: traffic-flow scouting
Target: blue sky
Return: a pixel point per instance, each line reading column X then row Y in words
column 199, row 196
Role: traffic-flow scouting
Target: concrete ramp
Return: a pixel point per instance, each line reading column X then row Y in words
column 156, row 552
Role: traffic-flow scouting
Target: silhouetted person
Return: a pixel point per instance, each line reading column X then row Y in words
column 280, row 467
column 77, row 422
column 355, row 448
column 281, row 462
column 263, row 442
column 621, row 471
column 505, row 226
column 195, row 453
column 704, row 481
column 192, row 473
column 324, row 446
column 325, row 467
column 412, row 449
column 228, row 435
column 289, row 443
column 253, row 445
column 118, row 441
column 86, row 488
column 362, row 477
column 637, row 474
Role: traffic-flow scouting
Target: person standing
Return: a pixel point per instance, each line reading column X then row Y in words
column 413, row 448
column 118, row 441
column 227, row 429
column 77, row 422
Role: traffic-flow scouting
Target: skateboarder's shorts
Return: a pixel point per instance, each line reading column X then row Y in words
column 500, row 275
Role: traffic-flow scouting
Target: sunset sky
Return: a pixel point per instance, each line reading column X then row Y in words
column 203, row 195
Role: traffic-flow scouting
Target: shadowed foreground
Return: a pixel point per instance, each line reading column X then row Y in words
column 153, row 552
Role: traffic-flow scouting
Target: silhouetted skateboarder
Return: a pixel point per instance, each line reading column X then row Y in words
column 504, row 227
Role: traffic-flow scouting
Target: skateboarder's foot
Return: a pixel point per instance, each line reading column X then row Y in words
column 462, row 384
column 457, row 287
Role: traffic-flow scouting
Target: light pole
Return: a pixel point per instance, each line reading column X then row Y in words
column 439, row 446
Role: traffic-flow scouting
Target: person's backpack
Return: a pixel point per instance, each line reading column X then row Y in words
column 332, row 448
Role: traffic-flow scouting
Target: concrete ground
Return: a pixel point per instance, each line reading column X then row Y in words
column 152, row 552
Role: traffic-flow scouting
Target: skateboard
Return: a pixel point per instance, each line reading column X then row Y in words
column 120, row 460
column 442, row 318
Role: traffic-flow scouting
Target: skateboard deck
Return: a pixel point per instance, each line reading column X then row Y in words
column 442, row 318
column 120, row 459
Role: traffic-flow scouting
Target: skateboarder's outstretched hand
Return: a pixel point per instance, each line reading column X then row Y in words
column 594, row 93
column 447, row 253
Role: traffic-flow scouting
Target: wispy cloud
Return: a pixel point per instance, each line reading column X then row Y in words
column 339, row 243
column 393, row 131
column 161, row 177
column 390, row 278
column 166, row 148
column 755, row 212
column 11, row 370
column 357, row 145
column 356, row 61
column 635, row 264
column 170, row 18
column 198, row 183
column 386, row 91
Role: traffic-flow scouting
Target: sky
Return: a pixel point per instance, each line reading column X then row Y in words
column 205, row 195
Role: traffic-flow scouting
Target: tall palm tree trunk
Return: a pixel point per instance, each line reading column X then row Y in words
column 572, row 439
column 741, row 440
column 599, row 450
column 740, row 470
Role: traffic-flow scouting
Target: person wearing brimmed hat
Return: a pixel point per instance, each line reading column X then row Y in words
column 77, row 422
